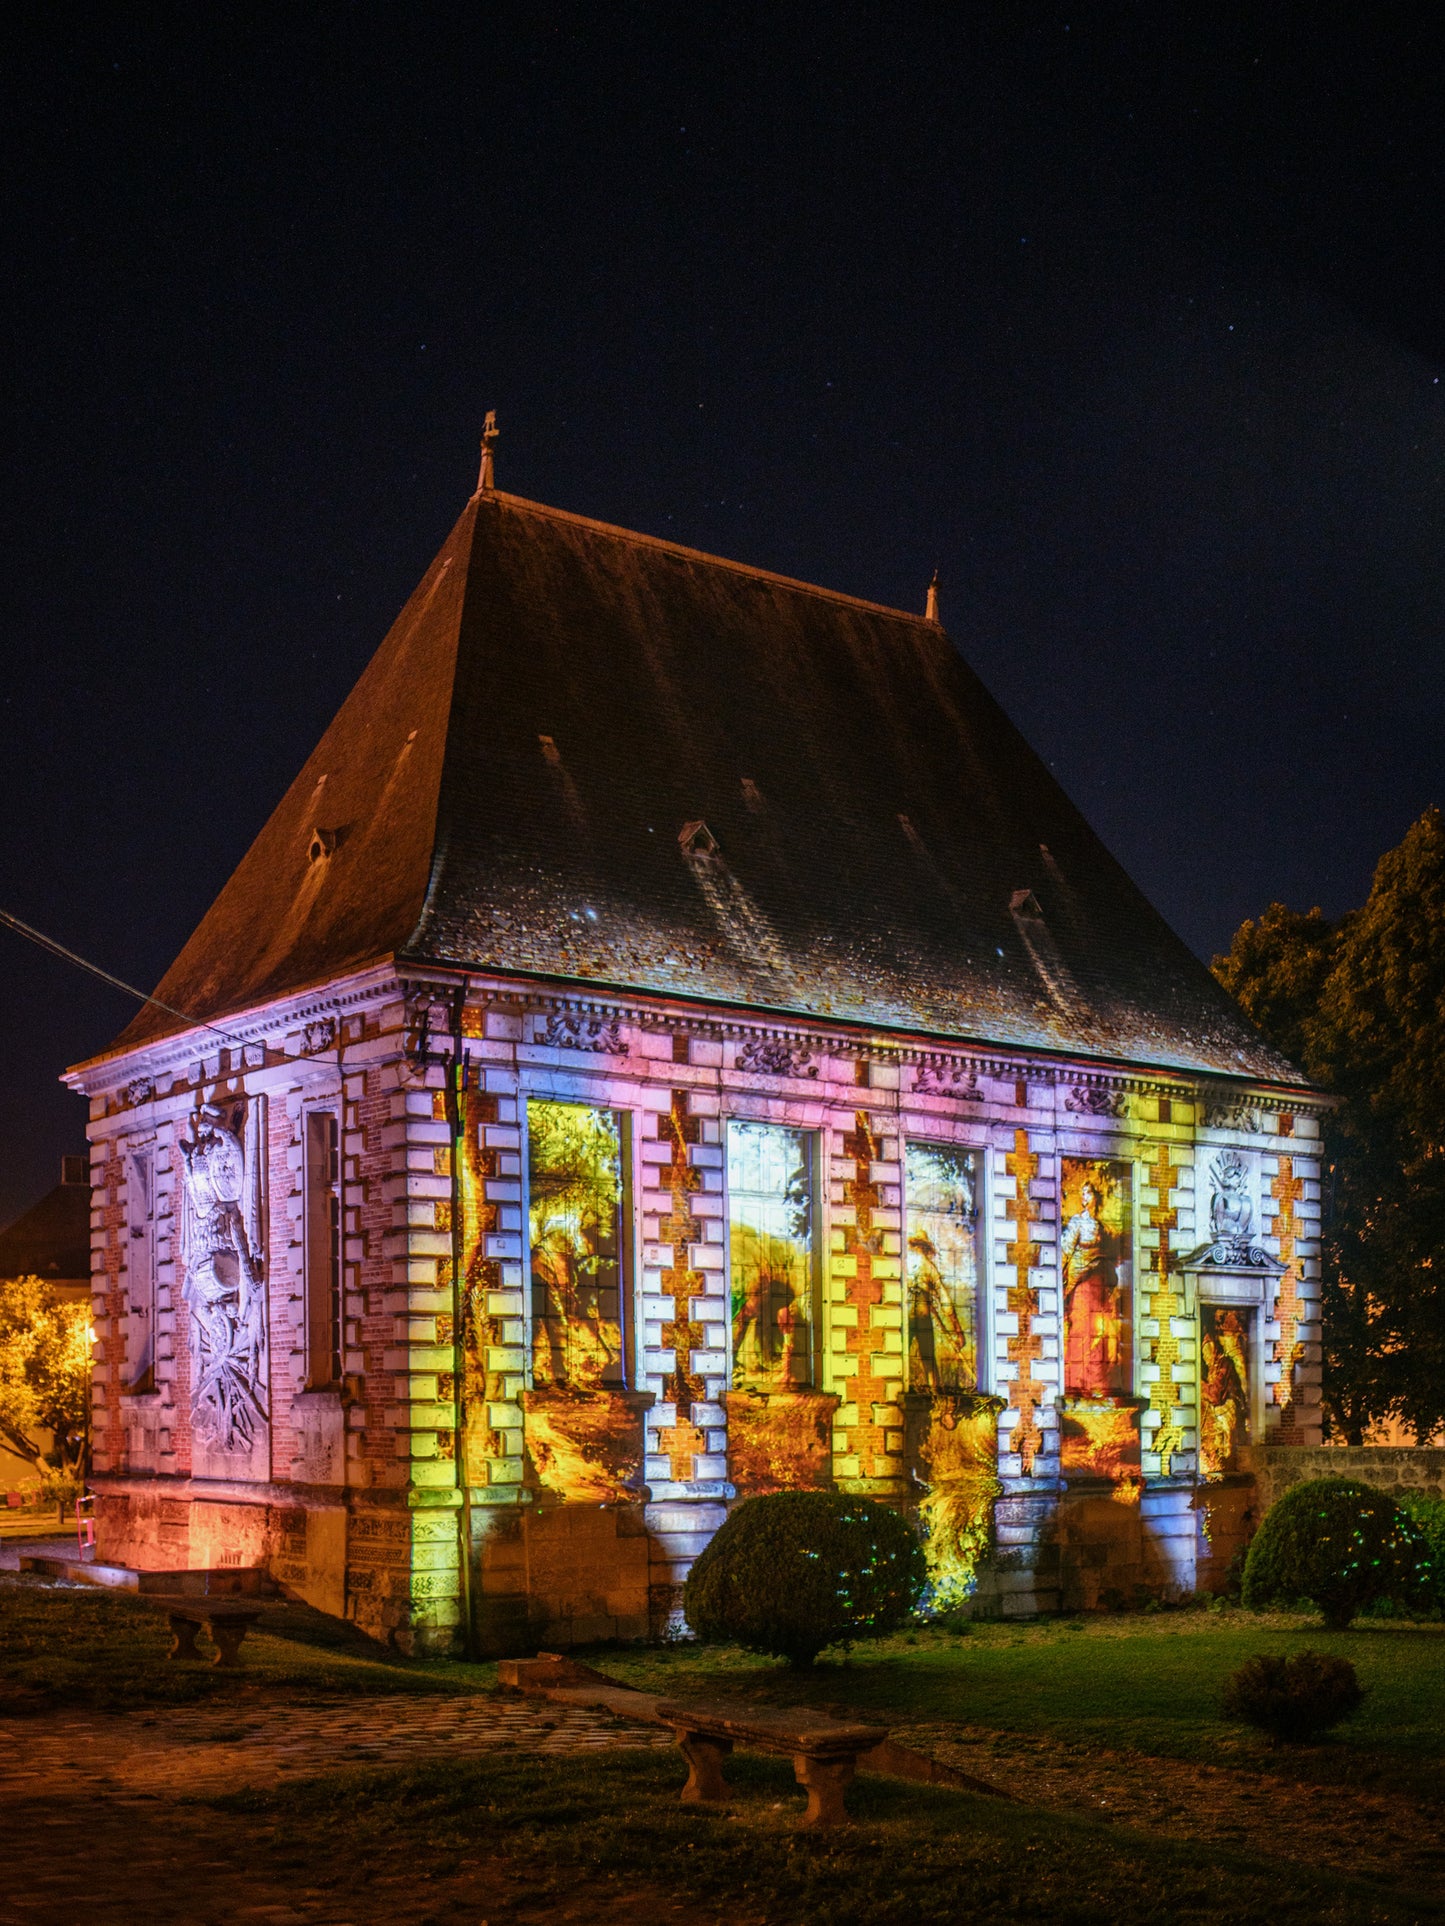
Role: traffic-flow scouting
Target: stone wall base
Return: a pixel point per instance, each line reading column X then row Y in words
column 1401, row 1470
column 319, row 1552
column 563, row 1575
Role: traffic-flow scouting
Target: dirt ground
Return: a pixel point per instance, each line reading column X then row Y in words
column 1377, row 1835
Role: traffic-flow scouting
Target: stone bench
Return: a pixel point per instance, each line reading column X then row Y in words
column 824, row 1751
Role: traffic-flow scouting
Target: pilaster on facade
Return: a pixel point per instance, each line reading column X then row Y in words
column 683, row 1308
column 1290, row 1172
column 865, row 1306
column 1167, row 1375
column 493, row 1340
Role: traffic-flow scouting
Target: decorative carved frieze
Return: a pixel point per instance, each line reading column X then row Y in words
column 1093, row 1100
column 222, row 1252
column 320, row 1034
column 947, row 1079
column 139, row 1090
column 1232, row 1115
column 565, row 1030
column 776, row 1057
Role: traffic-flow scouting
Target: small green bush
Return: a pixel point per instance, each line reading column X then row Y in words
column 1427, row 1515
column 791, row 1573
column 1295, row 1699
column 1342, row 1545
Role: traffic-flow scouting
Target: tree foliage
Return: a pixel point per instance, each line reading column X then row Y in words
column 1359, row 1004
column 45, row 1380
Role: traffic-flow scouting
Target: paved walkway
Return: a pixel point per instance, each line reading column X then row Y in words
column 96, row 1827
column 207, row 1749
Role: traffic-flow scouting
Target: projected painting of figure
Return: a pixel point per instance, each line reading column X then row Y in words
column 574, row 1174
column 942, row 1214
column 770, row 1213
column 1224, row 1387
column 1096, row 1260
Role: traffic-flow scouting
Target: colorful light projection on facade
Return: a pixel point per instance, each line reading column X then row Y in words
column 780, row 1441
column 871, row 1421
column 779, row 1427
column 942, row 1218
column 1099, row 1438
column 959, row 1461
column 1287, row 1190
column 683, row 1387
column 770, row 1218
column 574, row 1197
column 1026, row 1346
column 583, row 1430
column 1225, row 1387
column 1165, row 1304
column 1096, row 1258
column 484, row 1354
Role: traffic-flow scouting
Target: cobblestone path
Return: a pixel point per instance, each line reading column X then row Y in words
column 96, row 1826
column 208, row 1749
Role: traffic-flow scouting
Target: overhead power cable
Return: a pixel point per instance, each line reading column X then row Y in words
column 49, row 943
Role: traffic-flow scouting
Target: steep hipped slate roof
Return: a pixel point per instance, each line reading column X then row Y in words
column 511, row 783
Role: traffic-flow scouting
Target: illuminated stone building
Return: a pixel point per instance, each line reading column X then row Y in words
column 674, row 1040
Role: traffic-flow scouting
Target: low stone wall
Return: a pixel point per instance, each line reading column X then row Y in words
column 1402, row 1470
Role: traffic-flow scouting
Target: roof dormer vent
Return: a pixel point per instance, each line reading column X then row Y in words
column 1023, row 902
column 697, row 841
column 323, row 842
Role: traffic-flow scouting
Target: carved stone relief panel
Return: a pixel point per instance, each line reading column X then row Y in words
column 1231, row 1214
column 222, row 1249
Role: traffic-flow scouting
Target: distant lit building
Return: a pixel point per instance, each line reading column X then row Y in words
column 675, row 1040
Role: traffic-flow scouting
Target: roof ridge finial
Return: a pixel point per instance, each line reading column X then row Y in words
column 490, row 431
column 930, row 607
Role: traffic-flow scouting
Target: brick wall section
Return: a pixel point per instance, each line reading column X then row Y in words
column 285, row 1273
column 501, row 1288
column 684, row 1311
column 173, row 1350
column 1168, row 1424
column 1291, row 1204
column 865, row 1307
column 371, row 1149
column 108, row 1231
column 1027, row 1373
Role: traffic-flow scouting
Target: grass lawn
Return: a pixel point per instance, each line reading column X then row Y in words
column 914, row 1855
column 1141, row 1682
column 83, row 1645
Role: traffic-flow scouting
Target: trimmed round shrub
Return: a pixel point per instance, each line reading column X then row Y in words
column 791, row 1573
column 1295, row 1699
column 1342, row 1545
column 1427, row 1515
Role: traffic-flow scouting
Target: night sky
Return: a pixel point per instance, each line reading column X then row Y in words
column 1130, row 319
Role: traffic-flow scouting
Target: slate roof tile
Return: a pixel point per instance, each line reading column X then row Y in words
column 560, row 701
